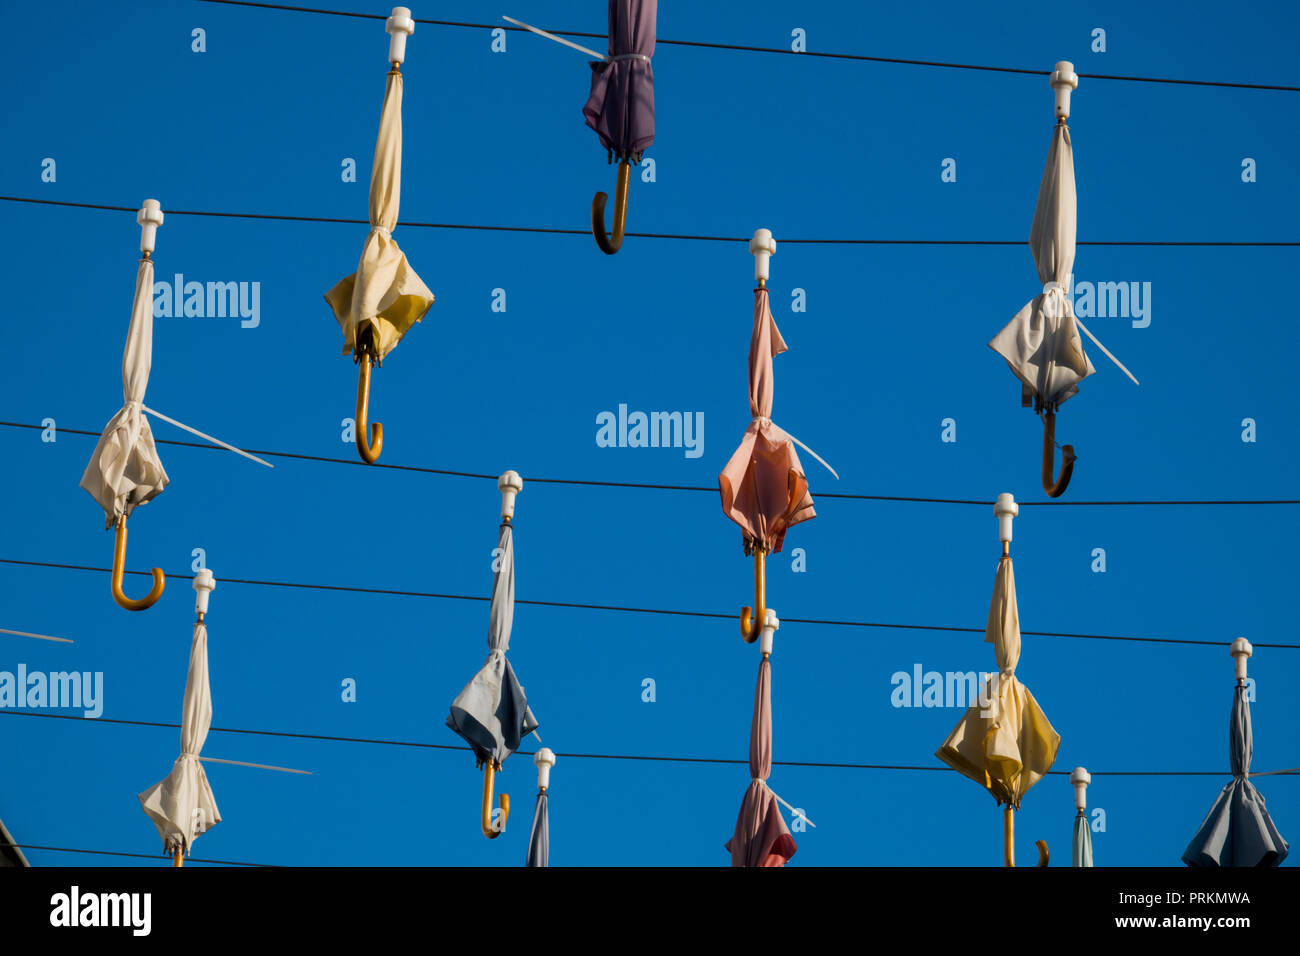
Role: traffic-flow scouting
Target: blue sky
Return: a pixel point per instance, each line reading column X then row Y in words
column 894, row 340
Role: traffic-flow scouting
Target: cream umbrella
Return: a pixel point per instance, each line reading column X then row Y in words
column 182, row 806
column 124, row 471
column 384, row 298
column 1004, row 742
column 1042, row 344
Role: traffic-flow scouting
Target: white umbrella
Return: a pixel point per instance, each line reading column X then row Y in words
column 124, row 471
column 182, row 806
column 1042, row 344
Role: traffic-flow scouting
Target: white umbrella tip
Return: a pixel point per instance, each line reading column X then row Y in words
column 762, row 247
column 1241, row 647
column 204, row 581
column 509, row 484
column 1080, row 776
column 398, row 27
column 544, row 757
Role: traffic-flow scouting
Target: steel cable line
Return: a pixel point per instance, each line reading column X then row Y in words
column 393, row 592
column 641, row 757
column 1216, row 243
column 746, row 48
column 591, row 482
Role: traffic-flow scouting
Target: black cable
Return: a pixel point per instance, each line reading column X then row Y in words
column 660, row 235
column 646, row 757
column 141, row 856
column 352, row 589
column 845, row 496
column 765, row 49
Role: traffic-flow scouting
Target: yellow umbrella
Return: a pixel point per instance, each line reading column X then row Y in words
column 1004, row 742
column 378, row 304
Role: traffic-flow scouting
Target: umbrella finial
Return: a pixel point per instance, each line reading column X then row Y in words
column 771, row 624
column 545, row 760
column 1241, row 651
column 1064, row 79
column 762, row 247
column 1080, row 778
column 1006, row 509
column 204, row 583
column 150, row 217
column 510, row 484
column 399, row 26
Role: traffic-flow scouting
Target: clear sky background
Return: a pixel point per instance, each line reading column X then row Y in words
column 894, row 340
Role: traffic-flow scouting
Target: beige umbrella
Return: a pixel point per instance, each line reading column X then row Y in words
column 1004, row 742
column 182, row 806
column 1042, row 344
column 378, row 304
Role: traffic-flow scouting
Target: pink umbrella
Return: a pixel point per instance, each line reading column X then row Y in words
column 763, row 485
column 761, row 837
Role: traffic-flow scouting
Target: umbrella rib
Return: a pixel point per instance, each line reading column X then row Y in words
column 259, row 766
column 1097, row 342
column 195, row 431
column 39, row 637
column 551, row 36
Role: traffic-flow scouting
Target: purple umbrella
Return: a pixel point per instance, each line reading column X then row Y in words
column 621, row 107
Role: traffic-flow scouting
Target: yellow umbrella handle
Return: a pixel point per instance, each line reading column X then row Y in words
column 489, row 775
column 369, row 450
column 119, row 568
column 751, row 627
column 1009, row 841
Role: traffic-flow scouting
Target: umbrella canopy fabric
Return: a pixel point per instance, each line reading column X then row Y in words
column 539, row 839
column 621, row 107
column 124, row 470
column 492, row 713
column 1082, row 840
column 384, row 293
column 1004, row 742
column 1042, row 344
column 761, row 837
column 1238, row 830
column 182, row 806
column 763, row 486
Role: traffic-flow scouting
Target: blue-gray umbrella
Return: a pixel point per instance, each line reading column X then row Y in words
column 1238, row 830
column 539, row 839
column 491, row 713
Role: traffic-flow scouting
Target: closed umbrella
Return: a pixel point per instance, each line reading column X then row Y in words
column 1042, row 344
column 1238, row 830
column 763, row 486
column 761, row 837
column 182, row 806
column 378, row 304
column 1082, row 842
column 491, row 713
column 539, row 838
column 1004, row 742
column 125, row 471
column 621, row 107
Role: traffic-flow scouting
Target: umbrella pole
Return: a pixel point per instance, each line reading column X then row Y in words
column 1008, row 838
column 178, row 858
column 1055, row 487
column 369, row 444
column 751, row 627
column 489, row 776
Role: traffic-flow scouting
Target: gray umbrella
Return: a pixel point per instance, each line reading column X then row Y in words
column 1238, row 830
column 491, row 712
column 539, row 839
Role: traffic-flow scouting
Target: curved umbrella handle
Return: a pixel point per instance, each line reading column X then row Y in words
column 1055, row 487
column 489, row 830
column 611, row 244
column 752, row 626
column 368, row 450
column 119, row 568
column 1009, row 843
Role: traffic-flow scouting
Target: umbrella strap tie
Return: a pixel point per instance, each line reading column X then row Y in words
column 629, row 56
column 767, row 421
column 383, row 231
